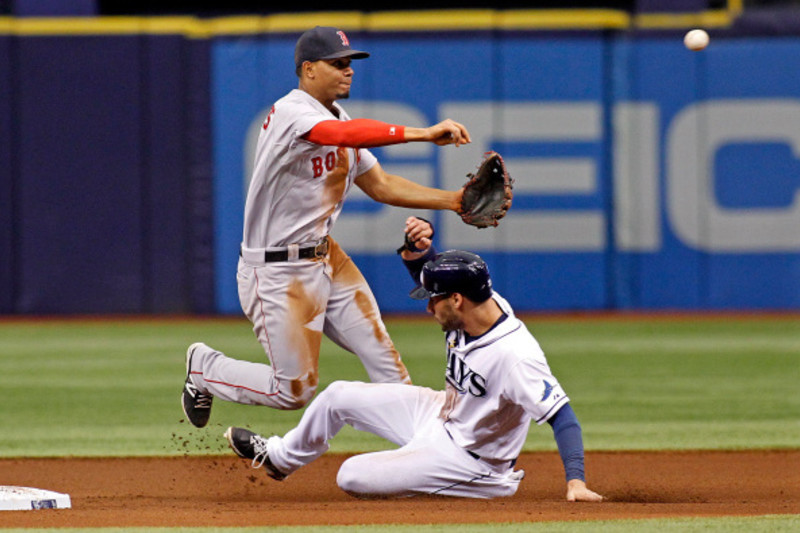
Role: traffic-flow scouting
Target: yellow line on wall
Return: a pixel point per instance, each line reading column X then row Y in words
column 386, row 21
column 735, row 7
column 705, row 19
column 299, row 22
column 73, row 25
column 590, row 19
column 441, row 20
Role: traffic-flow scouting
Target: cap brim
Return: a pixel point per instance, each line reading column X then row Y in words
column 352, row 54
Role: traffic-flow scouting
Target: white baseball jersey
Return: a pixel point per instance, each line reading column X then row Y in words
column 495, row 385
column 461, row 442
column 296, row 193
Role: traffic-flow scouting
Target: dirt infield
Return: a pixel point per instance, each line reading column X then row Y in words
column 223, row 491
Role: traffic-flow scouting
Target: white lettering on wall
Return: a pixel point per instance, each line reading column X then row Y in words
column 637, row 224
column 692, row 140
column 528, row 230
column 694, row 137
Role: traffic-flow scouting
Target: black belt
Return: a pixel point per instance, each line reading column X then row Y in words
column 478, row 458
column 309, row 252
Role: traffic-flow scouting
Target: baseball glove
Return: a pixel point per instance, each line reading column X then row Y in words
column 487, row 193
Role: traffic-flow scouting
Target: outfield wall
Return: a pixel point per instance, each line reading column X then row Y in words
column 105, row 143
column 648, row 177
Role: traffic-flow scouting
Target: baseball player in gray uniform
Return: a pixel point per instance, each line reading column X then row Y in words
column 295, row 282
column 463, row 441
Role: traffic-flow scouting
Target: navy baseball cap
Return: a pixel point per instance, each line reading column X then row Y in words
column 454, row 271
column 324, row 42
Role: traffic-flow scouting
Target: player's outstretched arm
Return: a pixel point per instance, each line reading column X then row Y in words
column 398, row 191
column 569, row 439
column 367, row 133
column 446, row 132
column 577, row 491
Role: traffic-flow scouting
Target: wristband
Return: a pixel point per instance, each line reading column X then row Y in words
column 409, row 245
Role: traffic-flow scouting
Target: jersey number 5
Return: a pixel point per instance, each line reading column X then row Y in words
column 269, row 117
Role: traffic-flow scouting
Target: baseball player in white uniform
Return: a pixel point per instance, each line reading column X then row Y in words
column 295, row 282
column 463, row 441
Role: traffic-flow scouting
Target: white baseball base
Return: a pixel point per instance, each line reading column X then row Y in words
column 27, row 499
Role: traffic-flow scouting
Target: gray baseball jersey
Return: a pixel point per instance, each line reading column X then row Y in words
column 295, row 197
column 298, row 187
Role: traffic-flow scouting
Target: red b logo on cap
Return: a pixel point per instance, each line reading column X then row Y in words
column 343, row 37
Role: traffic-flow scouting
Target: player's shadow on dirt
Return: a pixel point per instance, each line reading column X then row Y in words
column 633, row 496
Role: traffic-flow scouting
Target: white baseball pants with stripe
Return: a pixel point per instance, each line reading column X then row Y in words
column 427, row 462
column 291, row 304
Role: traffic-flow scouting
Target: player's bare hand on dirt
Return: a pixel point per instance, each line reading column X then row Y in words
column 577, row 491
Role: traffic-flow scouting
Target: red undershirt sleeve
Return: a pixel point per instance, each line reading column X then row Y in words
column 356, row 133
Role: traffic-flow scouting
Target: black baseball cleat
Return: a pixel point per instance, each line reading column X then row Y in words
column 196, row 404
column 250, row 445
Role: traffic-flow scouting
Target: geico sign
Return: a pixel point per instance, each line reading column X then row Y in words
column 692, row 139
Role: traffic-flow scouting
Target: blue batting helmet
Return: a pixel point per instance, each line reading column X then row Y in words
column 455, row 271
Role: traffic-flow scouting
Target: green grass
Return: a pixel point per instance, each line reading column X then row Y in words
column 686, row 384
column 766, row 524
column 111, row 387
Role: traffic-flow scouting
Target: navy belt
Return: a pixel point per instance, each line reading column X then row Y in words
column 478, row 458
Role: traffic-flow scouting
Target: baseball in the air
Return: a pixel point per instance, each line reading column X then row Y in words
column 696, row 40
